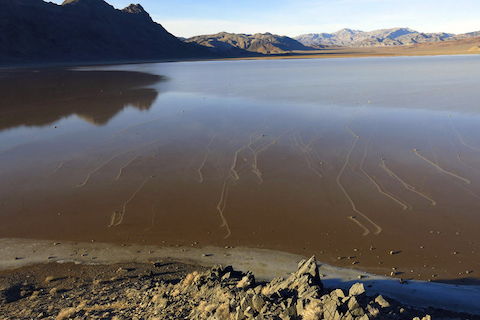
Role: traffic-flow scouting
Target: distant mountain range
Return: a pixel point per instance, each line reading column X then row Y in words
column 381, row 37
column 235, row 44
column 92, row 31
column 34, row 31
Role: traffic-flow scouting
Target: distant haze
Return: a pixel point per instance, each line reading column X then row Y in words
column 186, row 18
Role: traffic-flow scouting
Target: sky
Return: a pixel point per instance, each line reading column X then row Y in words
column 187, row 18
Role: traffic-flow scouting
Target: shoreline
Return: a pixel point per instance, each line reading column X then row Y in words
column 265, row 265
column 418, row 50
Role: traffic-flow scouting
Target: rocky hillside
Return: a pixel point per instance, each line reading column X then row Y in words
column 170, row 290
column 34, row 31
column 234, row 44
column 382, row 37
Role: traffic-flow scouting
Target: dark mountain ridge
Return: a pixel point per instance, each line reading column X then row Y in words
column 34, row 31
column 237, row 44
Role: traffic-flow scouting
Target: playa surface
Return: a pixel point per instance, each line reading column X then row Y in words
column 364, row 170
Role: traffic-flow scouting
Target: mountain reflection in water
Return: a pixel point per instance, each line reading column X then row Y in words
column 41, row 97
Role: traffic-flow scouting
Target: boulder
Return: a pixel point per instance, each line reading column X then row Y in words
column 306, row 281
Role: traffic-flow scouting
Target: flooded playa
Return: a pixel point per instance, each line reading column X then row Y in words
column 372, row 163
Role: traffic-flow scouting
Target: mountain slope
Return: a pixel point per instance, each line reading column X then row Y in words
column 466, row 35
column 231, row 43
column 83, row 30
column 381, row 37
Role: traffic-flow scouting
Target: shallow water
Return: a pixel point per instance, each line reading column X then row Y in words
column 367, row 163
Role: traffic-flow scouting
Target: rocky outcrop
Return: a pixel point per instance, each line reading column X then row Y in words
column 34, row 31
column 225, row 294
column 235, row 44
column 171, row 290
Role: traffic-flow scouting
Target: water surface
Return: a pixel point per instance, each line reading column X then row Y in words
column 367, row 163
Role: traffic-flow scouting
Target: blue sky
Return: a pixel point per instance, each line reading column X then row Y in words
column 185, row 18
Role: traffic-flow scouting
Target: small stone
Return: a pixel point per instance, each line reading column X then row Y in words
column 382, row 302
column 357, row 289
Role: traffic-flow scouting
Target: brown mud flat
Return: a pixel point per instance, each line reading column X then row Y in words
column 337, row 185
